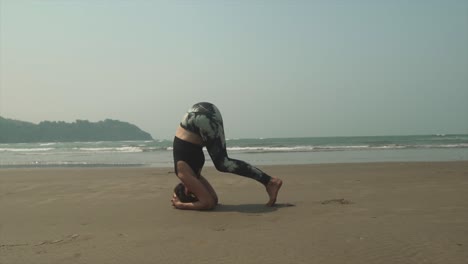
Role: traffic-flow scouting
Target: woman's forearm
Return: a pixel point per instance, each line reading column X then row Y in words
column 195, row 206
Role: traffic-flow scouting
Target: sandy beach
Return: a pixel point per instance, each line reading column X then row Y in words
column 328, row 213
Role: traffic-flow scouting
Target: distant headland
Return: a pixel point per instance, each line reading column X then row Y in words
column 15, row 131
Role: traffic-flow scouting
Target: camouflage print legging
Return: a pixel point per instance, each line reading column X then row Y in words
column 205, row 120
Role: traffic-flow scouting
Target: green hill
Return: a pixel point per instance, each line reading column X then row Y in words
column 15, row 131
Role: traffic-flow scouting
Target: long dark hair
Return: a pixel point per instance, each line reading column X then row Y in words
column 179, row 190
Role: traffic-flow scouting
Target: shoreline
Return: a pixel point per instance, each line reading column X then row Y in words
column 379, row 212
column 207, row 165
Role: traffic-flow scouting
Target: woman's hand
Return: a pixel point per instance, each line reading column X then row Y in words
column 175, row 201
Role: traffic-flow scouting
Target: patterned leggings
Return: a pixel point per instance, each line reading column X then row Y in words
column 205, row 120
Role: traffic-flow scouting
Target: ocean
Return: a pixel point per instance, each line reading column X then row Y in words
column 259, row 151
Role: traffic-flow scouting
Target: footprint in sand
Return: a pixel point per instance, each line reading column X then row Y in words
column 64, row 240
column 336, row 201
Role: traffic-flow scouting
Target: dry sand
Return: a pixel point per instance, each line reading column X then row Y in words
column 343, row 213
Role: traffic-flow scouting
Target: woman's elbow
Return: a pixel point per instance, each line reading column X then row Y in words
column 208, row 204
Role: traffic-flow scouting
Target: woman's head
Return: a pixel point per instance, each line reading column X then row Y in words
column 179, row 191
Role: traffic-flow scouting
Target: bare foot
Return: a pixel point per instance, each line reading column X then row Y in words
column 272, row 189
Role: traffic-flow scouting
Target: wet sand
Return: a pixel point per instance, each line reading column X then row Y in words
column 328, row 213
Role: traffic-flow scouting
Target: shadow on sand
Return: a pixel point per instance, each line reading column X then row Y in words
column 250, row 208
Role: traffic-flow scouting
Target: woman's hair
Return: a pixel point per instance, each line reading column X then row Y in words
column 179, row 191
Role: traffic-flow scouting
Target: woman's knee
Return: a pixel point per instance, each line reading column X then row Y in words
column 225, row 165
column 220, row 167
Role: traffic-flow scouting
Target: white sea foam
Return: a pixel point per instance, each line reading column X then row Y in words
column 342, row 147
column 319, row 148
column 462, row 145
column 273, row 149
column 107, row 150
column 25, row 149
column 47, row 144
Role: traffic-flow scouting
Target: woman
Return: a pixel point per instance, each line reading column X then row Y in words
column 202, row 126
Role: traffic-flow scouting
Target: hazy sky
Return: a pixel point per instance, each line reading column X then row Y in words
column 274, row 68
